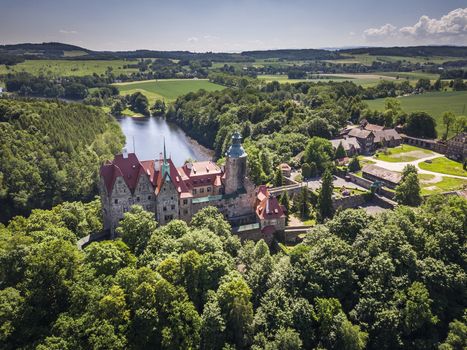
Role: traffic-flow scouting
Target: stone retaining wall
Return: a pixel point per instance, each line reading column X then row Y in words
column 349, row 202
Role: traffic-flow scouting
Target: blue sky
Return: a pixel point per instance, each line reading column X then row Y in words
column 233, row 25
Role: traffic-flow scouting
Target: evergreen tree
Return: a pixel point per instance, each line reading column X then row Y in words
column 306, row 170
column 325, row 208
column 303, row 203
column 285, row 201
column 354, row 164
column 279, row 178
column 340, row 152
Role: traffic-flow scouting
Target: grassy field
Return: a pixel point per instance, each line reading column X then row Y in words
column 411, row 75
column 444, row 165
column 403, row 153
column 445, row 185
column 364, row 80
column 367, row 59
column 434, row 103
column 168, row 89
column 68, row 67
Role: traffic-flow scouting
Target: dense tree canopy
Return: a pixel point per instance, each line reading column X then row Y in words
column 51, row 152
column 394, row 281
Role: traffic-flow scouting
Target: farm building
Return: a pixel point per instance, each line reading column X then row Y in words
column 371, row 136
column 457, row 147
column 375, row 173
column 350, row 144
column 285, row 169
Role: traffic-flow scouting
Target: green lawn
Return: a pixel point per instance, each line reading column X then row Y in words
column 445, row 166
column 168, row 89
column 69, row 67
column 434, row 103
column 447, row 184
column 403, row 153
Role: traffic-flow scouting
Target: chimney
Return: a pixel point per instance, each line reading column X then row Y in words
column 125, row 153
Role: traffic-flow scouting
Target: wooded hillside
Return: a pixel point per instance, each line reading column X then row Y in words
column 51, row 152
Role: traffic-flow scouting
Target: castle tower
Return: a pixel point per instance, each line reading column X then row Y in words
column 235, row 165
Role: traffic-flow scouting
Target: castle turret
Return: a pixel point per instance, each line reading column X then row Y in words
column 235, row 165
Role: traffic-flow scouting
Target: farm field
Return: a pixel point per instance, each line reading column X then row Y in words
column 411, row 75
column 367, row 59
column 69, row 67
column 364, row 80
column 434, row 103
column 445, row 166
column 167, row 89
column 403, row 153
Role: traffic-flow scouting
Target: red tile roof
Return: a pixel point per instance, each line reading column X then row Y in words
column 201, row 174
column 128, row 168
column 175, row 177
column 269, row 208
column 262, row 192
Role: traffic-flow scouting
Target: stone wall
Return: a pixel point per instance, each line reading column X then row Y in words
column 360, row 181
column 121, row 199
column 349, row 202
column 167, row 204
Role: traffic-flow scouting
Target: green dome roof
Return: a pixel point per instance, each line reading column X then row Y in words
column 236, row 150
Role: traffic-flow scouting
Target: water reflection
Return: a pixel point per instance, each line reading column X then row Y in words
column 148, row 134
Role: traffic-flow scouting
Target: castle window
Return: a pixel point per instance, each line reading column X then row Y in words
column 209, row 189
column 185, row 212
column 173, row 207
column 164, row 208
column 137, row 199
column 168, row 217
column 185, row 201
column 149, row 197
column 201, row 190
column 116, row 201
column 194, row 190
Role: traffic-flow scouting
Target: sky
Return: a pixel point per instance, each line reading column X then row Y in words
column 233, row 25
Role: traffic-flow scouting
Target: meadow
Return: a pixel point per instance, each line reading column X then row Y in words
column 367, row 59
column 434, row 103
column 69, row 67
column 166, row 89
column 364, row 80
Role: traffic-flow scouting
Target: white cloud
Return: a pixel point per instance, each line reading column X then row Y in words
column 381, row 32
column 452, row 24
column 209, row 37
column 450, row 28
column 192, row 39
column 64, row 31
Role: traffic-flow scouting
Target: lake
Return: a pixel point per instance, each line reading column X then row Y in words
column 149, row 133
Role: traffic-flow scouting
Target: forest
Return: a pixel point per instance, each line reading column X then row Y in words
column 51, row 152
column 394, row 281
column 278, row 120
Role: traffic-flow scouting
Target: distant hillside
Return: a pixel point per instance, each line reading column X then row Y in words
column 410, row 51
column 18, row 52
column 65, row 51
column 294, row 54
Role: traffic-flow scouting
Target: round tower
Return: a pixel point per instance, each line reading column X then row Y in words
column 235, row 165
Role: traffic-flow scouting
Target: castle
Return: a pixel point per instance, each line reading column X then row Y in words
column 178, row 193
